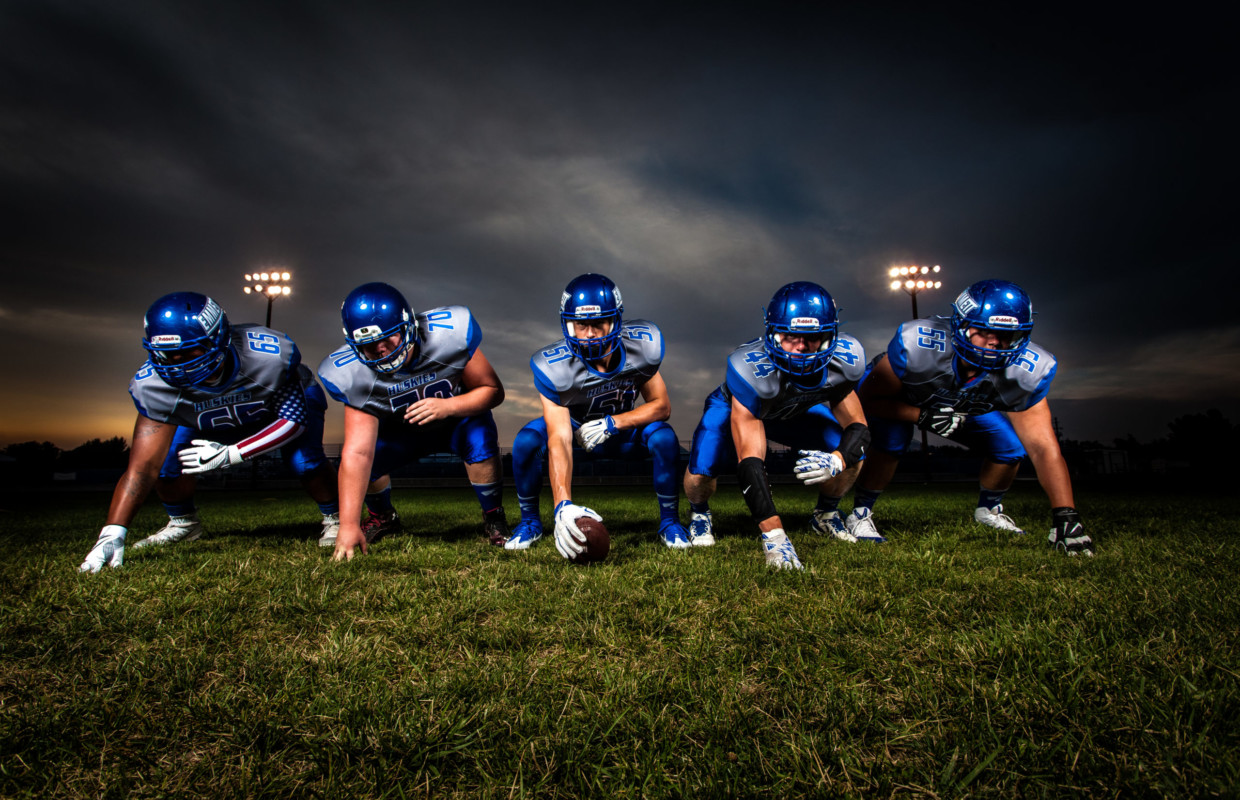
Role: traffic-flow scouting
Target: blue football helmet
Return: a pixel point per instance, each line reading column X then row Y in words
column 595, row 298
column 375, row 311
column 802, row 308
column 991, row 305
column 185, row 335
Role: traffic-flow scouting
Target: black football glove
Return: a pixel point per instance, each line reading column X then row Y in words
column 1068, row 535
column 943, row 420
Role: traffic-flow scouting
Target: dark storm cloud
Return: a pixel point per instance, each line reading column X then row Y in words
column 699, row 156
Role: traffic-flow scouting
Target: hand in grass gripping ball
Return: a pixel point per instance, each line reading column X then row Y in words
column 943, row 420
column 815, row 466
column 598, row 540
column 206, row 455
column 1068, row 535
column 569, row 539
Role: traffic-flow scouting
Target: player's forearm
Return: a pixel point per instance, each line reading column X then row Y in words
column 749, row 436
column 644, row 414
column 131, row 491
column 272, row 437
column 560, row 470
column 475, row 401
column 1054, row 476
column 352, row 479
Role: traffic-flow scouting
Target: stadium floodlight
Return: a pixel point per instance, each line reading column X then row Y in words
column 269, row 285
column 915, row 280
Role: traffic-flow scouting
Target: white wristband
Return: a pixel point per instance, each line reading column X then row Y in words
column 113, row 530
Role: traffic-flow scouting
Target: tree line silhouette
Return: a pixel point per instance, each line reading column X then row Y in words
column 1194, row 442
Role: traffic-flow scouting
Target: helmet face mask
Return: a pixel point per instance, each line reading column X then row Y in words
column 595, row 300
column 186, row 338
column 801, row 309
column 999, row 306
column 373, row 312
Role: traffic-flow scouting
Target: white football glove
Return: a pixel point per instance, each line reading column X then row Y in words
column 591, row 434
column 815, row 466
column 569, row 539
column 109, row 549
column 943, row 420
column 206, row 455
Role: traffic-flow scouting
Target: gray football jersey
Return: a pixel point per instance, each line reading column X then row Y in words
column 447, row 339
column 769, row 393
column 265, row 361
column 568, row 381
column 922, row 356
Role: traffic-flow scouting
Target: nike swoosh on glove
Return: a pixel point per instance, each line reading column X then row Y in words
column 205, row 455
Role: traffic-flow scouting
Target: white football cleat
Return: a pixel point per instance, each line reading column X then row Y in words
column 331, row 527
column 780, row 554
column 830, row 523
column 178, row 529
column 860, row 524
column 995, row 518
column 700, row 531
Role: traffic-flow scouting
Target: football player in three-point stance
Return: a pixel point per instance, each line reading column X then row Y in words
column 779, row 387
column 955, row 377
column 412, row 385
column 589, row 382
column 210, row 396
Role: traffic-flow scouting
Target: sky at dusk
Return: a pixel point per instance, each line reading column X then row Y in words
column 700, row 155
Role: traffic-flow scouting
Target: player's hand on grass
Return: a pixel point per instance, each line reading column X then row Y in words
column 943, row 420
column 593, row 433
column 348, row 540
column 109, row 550
column 569, row 539
column 205, row 455
column 1068, row 534
column 815, row 466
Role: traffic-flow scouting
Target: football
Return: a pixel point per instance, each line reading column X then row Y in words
column 598, row 540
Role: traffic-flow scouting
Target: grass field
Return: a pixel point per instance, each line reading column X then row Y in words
column 949, row 662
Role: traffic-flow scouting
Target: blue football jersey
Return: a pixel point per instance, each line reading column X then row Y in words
column 447, row 339
column 921, row 355
column 266, row 368
column 568, row 381
column 770, row 393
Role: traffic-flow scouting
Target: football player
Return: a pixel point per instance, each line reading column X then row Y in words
column 979, row 380
column 589, row 382
column 210, row 396
column 412, row 385
column 794, row 386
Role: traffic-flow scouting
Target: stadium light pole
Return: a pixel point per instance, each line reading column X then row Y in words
column 270, row 285
column 915, row 280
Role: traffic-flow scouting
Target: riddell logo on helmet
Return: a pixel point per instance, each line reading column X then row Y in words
column 367, row 334
column 589, row 309
column 1002, row 321
column 166, row 339
column 804, row 322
